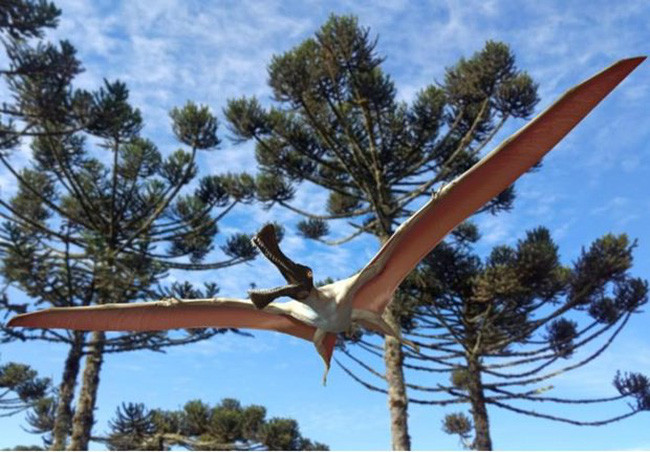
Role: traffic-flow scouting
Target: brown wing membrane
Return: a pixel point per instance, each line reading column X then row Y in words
column 156, row 316
column 470, row 191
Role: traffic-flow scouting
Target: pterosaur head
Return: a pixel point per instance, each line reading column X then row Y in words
column 299, row 277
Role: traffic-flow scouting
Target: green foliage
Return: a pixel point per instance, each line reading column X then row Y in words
column 107, row 219
column 458, row 424
column 340, row 203
column 32, row 447
column 538, row 266
column 41, row 417
column 336, row 123
column 635, row 385
column 21, row 388
column 189, row 290
column 139, row 159
column 112, row 116
column 132, row 426
column 240, row 246
column 560, row 334
column 491, row 73
column 272, row 188
column 21, row 19
column 511, row 316
column 240, row 187
column 513, row 283
column 246, row 118
column 179, row 168
column 212, row 191
column 313, row 228
column 101, row 214
column 32, row 209
column 42, row 74
column 465, row 233
column 198, row 426
column 195, row 126
column 607, row 259
column 197, row 242
column 460, row 378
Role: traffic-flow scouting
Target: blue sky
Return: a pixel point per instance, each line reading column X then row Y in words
column 595, row 181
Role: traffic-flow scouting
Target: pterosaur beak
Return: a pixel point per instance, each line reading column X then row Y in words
column 299, row 277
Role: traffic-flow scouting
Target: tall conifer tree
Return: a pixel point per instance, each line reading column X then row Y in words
column 198, row 426
column 100, row 215
column 496, row 331
column 336, row 123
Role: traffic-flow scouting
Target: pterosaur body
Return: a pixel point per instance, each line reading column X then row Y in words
column 318, row 313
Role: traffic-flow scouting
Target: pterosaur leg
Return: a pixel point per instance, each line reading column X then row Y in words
column 374, row 321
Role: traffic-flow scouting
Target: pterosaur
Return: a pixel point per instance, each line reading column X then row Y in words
column 318, row 313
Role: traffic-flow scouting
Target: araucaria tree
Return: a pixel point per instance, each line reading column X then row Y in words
column 336, row 123
column 198, row 426
column 20, row 388
column 493, row 332
column 100, row 215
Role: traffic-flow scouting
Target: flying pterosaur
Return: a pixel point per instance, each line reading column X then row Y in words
column 318, row 313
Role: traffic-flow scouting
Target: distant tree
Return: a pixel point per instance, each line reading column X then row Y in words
column 336, row 122
column 20, row 388
column 21, row 19
column 33, row 447
column 501, row 327
column 226, row 426
column 99, row 215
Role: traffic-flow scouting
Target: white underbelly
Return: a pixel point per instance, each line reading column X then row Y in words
column 329, row 318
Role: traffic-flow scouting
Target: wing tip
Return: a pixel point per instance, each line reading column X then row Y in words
column 20, row 320
column 36, row 319
column 632, row 62
column 619, row 70
column 608, row 78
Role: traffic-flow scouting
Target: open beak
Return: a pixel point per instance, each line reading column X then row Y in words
column 299, row 277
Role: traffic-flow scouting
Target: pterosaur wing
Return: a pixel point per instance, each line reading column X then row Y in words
column 487, row 178
column 165, row 315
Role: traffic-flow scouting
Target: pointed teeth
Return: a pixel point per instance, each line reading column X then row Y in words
column 267, row 253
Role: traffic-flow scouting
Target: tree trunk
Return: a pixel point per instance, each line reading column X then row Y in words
column 482, row 440
column 83, row 420
column 63, row 416
column 397, row 399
